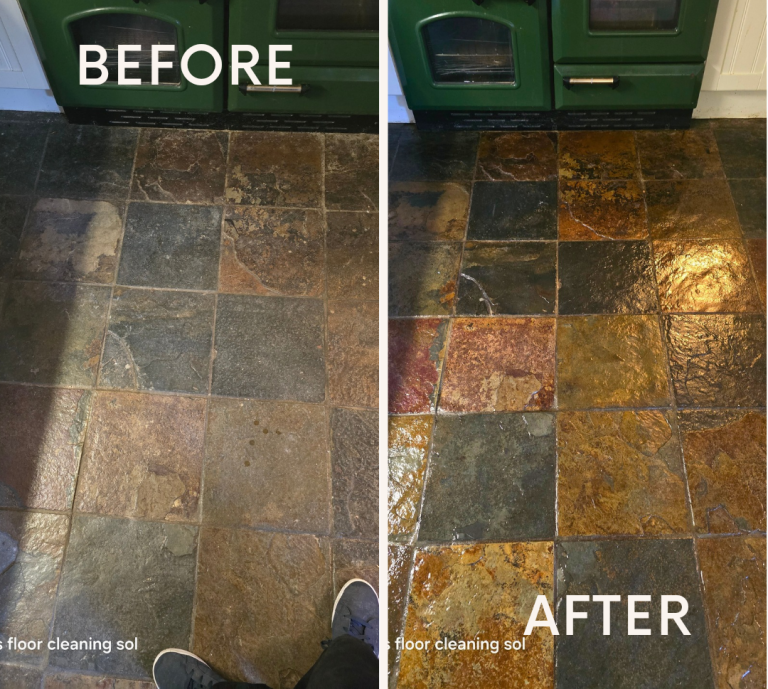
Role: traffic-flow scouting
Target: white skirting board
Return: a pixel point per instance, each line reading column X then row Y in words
column 718, row 104
column 38, row 100
column 398, row 111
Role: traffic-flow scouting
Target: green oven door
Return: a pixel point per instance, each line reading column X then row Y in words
column 487, row 56
column 60, row 27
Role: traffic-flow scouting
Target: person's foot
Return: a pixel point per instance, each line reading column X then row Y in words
column 177, row 669
column 356, row 613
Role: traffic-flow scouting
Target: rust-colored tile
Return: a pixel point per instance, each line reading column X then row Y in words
column 725, row 458
column 143, row 457
column 598, row 155
column 601, row 210
column 400, row 559
column 680, row 154
column 415, row 355
column 423, row 211
column 756, row 251
column 409, row 438
column 500, row 364
column 482, row 592
column 352, row 242
column 62, row 680
column 354, row 560
column 733, row 571
column 619, row 473
column 353, row 354
column 352, row 172
column 517, row 156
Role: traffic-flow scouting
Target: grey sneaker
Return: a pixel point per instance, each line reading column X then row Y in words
column 177, row 669
column 356, row 613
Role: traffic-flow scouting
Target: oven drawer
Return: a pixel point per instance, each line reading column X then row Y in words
column 630, row 87
column 634, row 31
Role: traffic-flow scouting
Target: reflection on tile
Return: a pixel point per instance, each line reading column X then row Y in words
column 353, row 354
column 21, row 149
column 352, row 172
column 434, row 156
column 749, row 197
column 400, row 558
column 682, row 154
column 422, row 211
column 601, row 210
column 13, row 214
column 517, row 156
column 352, row 242
column 355, row 560
column 742, row 149
column 422, row 278
column 756, row 251
column 513, row 210
column 598, row 155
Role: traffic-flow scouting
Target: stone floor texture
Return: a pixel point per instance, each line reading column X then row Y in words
column 577, row 372
column 188, row 395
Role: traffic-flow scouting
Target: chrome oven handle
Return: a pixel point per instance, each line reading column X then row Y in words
column 266, row 88
column 613, row 82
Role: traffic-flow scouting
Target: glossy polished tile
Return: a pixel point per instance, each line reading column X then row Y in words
column 399, row 571
column 513, row 210
column 598, row 155
column 434, row 156
column 749, row 197
column 352, row 263
column 601, row 210
column 685, row 154
column 423, row 211
column 352, row 172
column 742, row 148
column 756, row 251
column 422, row 278
column 517, row 156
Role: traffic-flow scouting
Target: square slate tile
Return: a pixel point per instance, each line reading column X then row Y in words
column 20, row 677
column 61, row 680
column 353, row 354
column 591, row 210
column 352, row 172
column 725, row 460
column 423, row 211
column 415, row 359
column 267, row 466
column 158, row 341
column 151, row 566
column 704, row 275
column 272, row 252
column 86, row 162
column 507, row 279
column 733, row 570
column 31, row 555
column 682, row 154
column 654, row 568
column 717, row 360
column 620, row 473
column 168, row 245
column 517, row 156
column 409, row 438
column 434, row 156
column 143, row 457
column 756, row 252
column 39, row 466
column 269, row 348
column 355, row 472
column 497, row 576
column 610, row 361
column 606, row 277
column 52, row 333
column 749, row 197
column 13, row 215
column 598, row 155
column 400, row 558
column 232, row 562
column 354, row 560
column 71, row 241
column 352, row 242
column 500, row 364
column 395, row 132
column 275, row 169
column 422, row 278
column 742, row 149
column 180, row 166
column 513, row 210
column 21, row 150
column 491, row 478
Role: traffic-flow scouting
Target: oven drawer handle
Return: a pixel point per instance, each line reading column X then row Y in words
column 613, row 82
column 266, row 88
column 480, row 2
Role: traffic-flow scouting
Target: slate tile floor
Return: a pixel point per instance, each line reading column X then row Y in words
column 188, row 392
column 577, row 401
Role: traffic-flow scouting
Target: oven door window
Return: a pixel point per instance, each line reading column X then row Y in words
column 328, row 15
column 112, row 30
column 634, row 15
column 469, row 50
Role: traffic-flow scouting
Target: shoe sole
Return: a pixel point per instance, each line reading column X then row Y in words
column 180, row 651
column 344, row 588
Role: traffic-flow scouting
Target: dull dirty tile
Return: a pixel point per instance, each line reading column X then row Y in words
column 422, row 278
column 31, row 553
column 498, row 576
column 733, row 572
column 158, row 341
column 434, row 156
column 588, row 658
column 491, row 478
column 415, row 358
column 272, row 251
column 353, row 354
column 21, row 150
column 52, row 333
column 591, row 210
column 704, row 276
column 352, row 242
column 606, row 277
column 500, row 364
column 180, row 166
column 232, row 562
column 610, row 361
column 598, row 155
column 266, row 465
column 393, row 142
column 742, row 150
column 756, row 251
column 71, row 241
column 355, row 560
column 749, row 197
column 507, row 279
column 355, row 472
column 619, row 473
column 691, row 209
column 275, row 169
column 352, row 172
column 168, row 245
column 61, row 680
column 20, row 677
column 39, row 467
column 517, row 156
column 717, row 360
column 725, row 460
column 87, row 162
column 143, row 457
column 13, row 215
column 150, row 566
column 409, row 438
column 423, row 211
column 681, row 154
column 399, row 561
